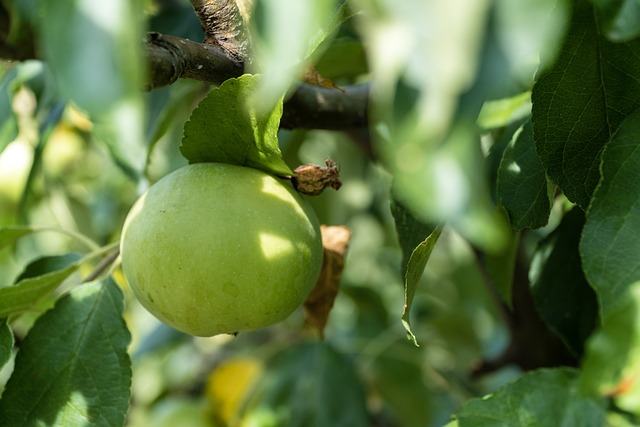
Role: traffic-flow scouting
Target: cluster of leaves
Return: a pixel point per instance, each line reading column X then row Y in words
column 509, row 149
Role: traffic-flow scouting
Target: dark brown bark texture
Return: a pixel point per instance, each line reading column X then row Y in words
column 221, row 56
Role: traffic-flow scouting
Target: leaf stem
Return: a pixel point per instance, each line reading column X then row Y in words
column 106, row 262
column 89, row 243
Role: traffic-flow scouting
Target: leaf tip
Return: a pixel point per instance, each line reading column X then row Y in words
column 410, row 335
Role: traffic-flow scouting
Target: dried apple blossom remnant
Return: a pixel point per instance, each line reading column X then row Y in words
column 313, row 179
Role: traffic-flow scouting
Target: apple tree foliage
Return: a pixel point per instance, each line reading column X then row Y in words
column 491, row 183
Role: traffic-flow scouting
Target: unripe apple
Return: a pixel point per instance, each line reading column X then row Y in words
column 216, row 248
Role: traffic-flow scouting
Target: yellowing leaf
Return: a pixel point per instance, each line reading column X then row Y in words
column 228, row 384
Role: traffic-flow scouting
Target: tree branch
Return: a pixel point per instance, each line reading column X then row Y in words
column 223, row 26
column 310, row 106
column 316, row 107
column 171, row 58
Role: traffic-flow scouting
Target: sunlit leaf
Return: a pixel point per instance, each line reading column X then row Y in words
column 581, row 100
column 9, row 235
column 522, row 184
column 427, row 91
column 284, row 33
column 48, row 264
column 83, row 376
column 8, row 123
column 94, row 51
column 447, row 183
column 27, row 292
column 225, row 128
column 621, row 18
column 542, row 398
column 611, row 367
column 406, row 46
column 6, row 342
column 38, row 279
column 611, row 236
column 523, row 29
column 502, row 112
column 415, row 269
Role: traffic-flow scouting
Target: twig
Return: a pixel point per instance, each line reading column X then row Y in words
column 103, row 265
column 171, row 58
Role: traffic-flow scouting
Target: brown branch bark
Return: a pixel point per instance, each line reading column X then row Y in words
column 223, row 26
column 171, row 58
column 310, row 107
column 316, row 107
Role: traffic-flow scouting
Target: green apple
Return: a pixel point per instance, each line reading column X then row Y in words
column 216, row 248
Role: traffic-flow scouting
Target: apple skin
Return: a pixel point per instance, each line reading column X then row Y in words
column 216, row 248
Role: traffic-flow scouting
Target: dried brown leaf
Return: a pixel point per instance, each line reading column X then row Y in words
column 313, row 77
column 335, row 240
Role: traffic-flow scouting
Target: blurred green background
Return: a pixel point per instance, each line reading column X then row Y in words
column 57, row 170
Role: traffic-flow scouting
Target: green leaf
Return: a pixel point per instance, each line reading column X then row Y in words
column 95, row 65
column 502, row 112
column 501, row 266
column 10, row 235
column 48, row 264
column 580, row 102
column 225, row 128
column 370, row 315
column 447, row 183
column 410, row 230
column 8, row 122
column 611, row 366
column 80, row 376
column 611, row 237
column 524, row 28
column 344, row 58
column 95, row 54
column 547, row 397
column 621, row 18
column 310, row 385
column 398, row 375
column 331, row 24
column 501, row 138
column 564, row 299
column 6, row 342
column 415, row 269
column 522, row 185
column 27, row 292
column 283, row 34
